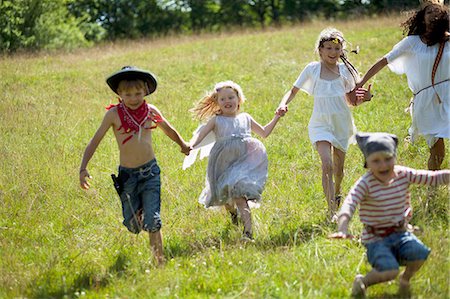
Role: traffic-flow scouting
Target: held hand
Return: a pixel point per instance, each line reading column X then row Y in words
column 363, row 95
column 281, row 111
column 84, row 175
column 340, row 235
column 186, row 148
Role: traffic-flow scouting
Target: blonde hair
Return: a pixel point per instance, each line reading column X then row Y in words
column 126, row 85
column 208, row 105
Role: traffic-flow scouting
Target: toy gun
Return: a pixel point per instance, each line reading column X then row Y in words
column 116, row 183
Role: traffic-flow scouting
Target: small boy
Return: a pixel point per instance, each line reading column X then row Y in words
column 385, row 209
column 138, row 182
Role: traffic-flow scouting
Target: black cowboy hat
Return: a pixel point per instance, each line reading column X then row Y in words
column 132, row 73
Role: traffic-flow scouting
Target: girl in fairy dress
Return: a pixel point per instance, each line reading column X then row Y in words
column 237, row 166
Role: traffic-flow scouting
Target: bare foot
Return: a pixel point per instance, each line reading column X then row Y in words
column 359, row 288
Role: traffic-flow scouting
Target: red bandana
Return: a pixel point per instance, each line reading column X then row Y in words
column 133, row 120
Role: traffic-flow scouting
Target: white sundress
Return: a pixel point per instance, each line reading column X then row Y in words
column 237, row 165
column 331, row 119
column 415, row 59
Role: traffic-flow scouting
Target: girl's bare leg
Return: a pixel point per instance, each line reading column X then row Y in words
column 437, row 154
column 324, row 149
column 246, row 216
column 338, row 167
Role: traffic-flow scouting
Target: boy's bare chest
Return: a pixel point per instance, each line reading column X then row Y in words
column 137, row 138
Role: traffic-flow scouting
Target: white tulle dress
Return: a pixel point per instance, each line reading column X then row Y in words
column 237, row 165
column 412, row 57
column 331, row 119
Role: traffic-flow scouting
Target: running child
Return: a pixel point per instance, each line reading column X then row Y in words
column 424, row 57
column 237, row 165
column 331, row 127
column 138, row 182
column 385, row 208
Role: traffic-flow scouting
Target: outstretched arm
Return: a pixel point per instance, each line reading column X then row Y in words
column 170, row 131
column 342, row 233
column 287, row 98
column 267, row 129
column 92, row 147
column 378, row 66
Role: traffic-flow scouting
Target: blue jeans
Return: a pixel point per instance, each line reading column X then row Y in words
column 141, row 197
column 394, row 250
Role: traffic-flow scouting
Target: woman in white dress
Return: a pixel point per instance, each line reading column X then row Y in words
column 424, row 57
column 331, row 126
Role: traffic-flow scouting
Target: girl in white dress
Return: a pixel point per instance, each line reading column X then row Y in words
column 331, row 126
column 237, row 166
column 428, row 75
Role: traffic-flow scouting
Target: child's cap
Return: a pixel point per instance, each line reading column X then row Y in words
column 370, row 143
column 130, row 73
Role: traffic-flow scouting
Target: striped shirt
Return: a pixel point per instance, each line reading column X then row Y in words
column 385, row 205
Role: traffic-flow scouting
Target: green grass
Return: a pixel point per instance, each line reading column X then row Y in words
column 57, row 240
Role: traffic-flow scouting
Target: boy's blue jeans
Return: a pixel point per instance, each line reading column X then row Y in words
column 141, row 197
column 394, row 250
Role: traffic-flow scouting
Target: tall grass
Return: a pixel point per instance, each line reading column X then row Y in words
column 59, row 241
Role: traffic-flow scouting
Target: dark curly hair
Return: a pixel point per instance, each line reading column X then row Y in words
column 415, row 25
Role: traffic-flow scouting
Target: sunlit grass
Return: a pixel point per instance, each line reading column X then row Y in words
column 57, row 240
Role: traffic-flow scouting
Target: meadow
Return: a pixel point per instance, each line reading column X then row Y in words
column 59, row 241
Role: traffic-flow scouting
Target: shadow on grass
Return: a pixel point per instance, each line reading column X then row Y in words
column 387, row 296
column 86, row 281
column 187, row 246
column 231, row 235
column 303, row 233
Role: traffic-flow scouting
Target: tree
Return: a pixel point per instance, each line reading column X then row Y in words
column 38, row 24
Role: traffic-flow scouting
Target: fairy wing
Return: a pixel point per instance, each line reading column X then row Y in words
column 204, row 148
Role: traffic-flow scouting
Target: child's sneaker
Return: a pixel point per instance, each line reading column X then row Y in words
column 359, row 288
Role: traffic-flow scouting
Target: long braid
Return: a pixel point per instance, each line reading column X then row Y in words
column 353, row 71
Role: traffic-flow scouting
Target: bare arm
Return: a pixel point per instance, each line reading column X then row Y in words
column 267, row 129
column 203, row 132
column 342, row 233
column 288, row 97
column 92, row 147
column 170, row 131
column 378, row 66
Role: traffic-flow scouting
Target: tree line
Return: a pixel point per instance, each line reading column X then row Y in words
column 54, row 24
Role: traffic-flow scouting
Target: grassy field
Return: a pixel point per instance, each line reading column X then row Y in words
column 57, row 240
